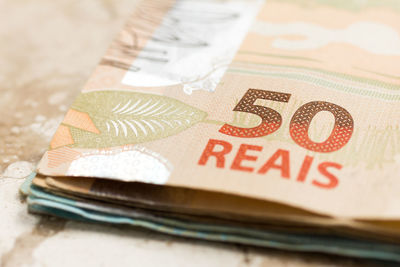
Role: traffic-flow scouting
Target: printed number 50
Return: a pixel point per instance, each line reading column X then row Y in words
column 271, row 120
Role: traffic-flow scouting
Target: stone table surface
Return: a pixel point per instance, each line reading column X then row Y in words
column 48, row 49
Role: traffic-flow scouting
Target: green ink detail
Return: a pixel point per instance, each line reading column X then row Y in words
column 130, row 118
column 344, row 76
column 322, row 82
column 351, row 5
column 277, row 56
column 379, row 73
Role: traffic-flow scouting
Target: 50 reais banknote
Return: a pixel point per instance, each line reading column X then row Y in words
column 284, row 108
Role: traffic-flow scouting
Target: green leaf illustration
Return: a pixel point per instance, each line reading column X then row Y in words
column 130, row 117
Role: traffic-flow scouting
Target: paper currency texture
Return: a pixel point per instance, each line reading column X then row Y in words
column 293, row 102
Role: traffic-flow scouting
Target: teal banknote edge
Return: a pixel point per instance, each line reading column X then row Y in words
column 69, row 212
column 41, row 201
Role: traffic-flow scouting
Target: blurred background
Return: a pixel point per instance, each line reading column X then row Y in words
column 48, row 49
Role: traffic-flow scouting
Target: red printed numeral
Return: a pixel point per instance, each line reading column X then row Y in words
column 271, row 120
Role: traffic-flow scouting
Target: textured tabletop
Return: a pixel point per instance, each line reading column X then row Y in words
column 47, row 51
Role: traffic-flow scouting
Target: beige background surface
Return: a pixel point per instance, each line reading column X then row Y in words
column 48, row 49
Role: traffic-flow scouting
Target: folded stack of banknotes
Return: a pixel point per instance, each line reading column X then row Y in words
column 266, row 123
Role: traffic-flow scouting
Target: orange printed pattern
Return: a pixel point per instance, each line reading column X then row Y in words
column 62, row 137
column 80, row 120
column 77, row 119
column 61, row 155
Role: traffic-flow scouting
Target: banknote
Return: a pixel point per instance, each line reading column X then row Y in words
column 41, row 201
column 213, row 208
column 280, row 116
column 295, row 108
